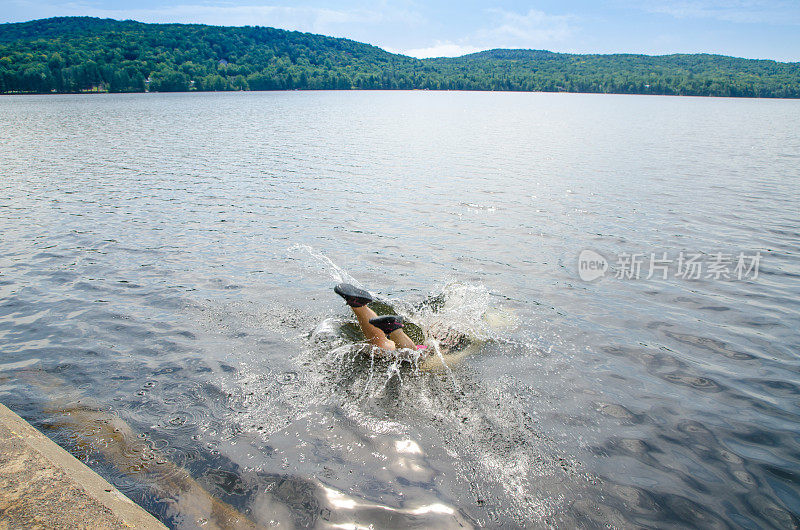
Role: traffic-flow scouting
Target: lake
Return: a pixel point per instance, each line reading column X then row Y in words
column 624, row 269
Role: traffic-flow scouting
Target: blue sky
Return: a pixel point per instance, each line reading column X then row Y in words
column 744, row 28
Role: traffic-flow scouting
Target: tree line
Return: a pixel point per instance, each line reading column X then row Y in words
column 83, row 54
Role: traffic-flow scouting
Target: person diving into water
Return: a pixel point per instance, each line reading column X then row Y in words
column 442, row 349
column 385, row 332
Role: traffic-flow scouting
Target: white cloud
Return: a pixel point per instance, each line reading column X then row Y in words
column 506, row 29
column 336, row 22
column 530, row 30
column 442, row 49
column 738, row 11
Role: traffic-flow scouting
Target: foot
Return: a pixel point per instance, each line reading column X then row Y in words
column 387, row 323
column 353, row 296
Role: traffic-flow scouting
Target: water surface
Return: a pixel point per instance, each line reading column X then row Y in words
column 166, row 311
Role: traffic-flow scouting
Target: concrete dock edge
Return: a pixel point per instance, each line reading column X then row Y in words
column 43, row 486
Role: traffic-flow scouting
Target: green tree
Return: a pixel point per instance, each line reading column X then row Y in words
column 169, row 81
column 74, row 54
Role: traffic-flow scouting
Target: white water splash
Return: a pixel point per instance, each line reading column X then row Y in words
column 325, row 264
column 459, row 310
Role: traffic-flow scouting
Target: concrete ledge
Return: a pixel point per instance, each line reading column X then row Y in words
column 43, row 486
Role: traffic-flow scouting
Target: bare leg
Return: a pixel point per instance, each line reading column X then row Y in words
column 402, row 340
column 434, row 363
column 358, row 299
column 374, row 335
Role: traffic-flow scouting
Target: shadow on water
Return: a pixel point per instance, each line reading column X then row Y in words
column 93, row 433
column 224, row 495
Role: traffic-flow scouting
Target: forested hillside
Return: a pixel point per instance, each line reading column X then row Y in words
column 81, row 54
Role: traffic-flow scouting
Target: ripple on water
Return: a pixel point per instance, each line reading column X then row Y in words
column 168, row 257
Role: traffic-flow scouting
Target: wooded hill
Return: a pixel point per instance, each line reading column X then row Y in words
column 82, row 54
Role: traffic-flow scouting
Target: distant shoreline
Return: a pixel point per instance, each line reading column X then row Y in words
column 99, row 92
column 70, row 55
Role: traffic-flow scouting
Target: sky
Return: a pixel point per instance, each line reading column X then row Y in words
column 757, row 29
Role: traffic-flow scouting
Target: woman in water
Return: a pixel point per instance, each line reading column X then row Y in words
column 385, row 332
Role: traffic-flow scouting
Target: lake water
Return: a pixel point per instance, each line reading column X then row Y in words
column 166, row 311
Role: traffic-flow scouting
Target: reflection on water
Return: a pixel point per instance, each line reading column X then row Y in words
column 166, row 309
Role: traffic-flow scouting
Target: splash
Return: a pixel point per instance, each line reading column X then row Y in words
column 489, row 432
column 456, row 312
column 453, row 321
column 324, row 264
